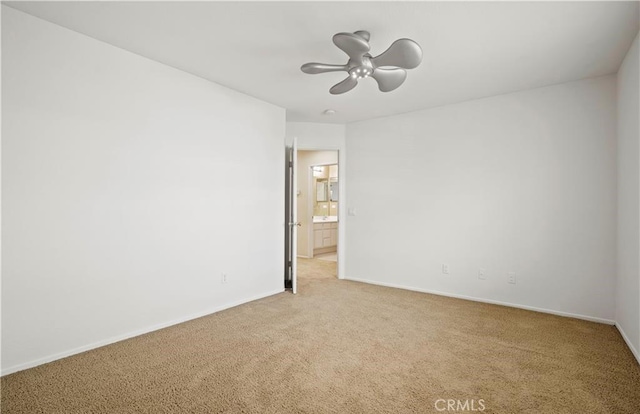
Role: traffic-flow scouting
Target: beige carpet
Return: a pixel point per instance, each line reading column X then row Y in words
column 344, row 347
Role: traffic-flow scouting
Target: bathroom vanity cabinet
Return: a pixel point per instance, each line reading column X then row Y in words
column 325, row 237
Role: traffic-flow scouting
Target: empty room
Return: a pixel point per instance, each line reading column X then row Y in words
column 320, row 207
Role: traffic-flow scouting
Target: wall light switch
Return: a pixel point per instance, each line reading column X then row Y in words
column 445, row 269
column 511, row 277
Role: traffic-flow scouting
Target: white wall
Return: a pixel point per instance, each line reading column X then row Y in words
column 313, row 135
column 128, row 188
column 316, row 136
column 628, row 282
column 523, row 182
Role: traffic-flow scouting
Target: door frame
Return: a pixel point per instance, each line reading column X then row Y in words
column 342, row 199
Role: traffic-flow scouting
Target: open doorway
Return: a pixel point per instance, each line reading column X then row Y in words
column 318, row 205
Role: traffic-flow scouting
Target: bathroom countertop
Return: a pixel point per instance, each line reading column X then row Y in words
column 327, row 219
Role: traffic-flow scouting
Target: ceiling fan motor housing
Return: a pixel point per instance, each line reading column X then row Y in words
column 362, row 69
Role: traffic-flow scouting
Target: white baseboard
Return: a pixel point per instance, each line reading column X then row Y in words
column 634, row 351
column 493, row 302
column 64, row 354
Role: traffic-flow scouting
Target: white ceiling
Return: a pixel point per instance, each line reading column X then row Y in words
column 471, row 49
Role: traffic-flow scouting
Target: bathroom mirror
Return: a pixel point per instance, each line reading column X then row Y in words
column 321, row 190
column 333, row 190
column 325, row 182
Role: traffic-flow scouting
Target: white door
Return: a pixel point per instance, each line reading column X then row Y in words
column 291, row 240
column 294, row 217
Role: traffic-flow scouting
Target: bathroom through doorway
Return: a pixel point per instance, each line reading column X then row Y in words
column 318, row 207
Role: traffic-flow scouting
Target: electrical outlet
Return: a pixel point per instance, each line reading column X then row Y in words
column 445, row 269
column 223, row 279
column 482, row 274
column 511, row 277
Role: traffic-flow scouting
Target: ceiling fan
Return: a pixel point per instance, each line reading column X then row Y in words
column 388, row 68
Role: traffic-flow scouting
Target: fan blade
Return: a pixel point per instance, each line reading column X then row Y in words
column 389, row 79
column 313, row 68
column 353, row 45
column 344, row 86
column 403, row 53
column 363, row 34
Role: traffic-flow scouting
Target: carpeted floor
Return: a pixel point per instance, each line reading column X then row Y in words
column 345, row 347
